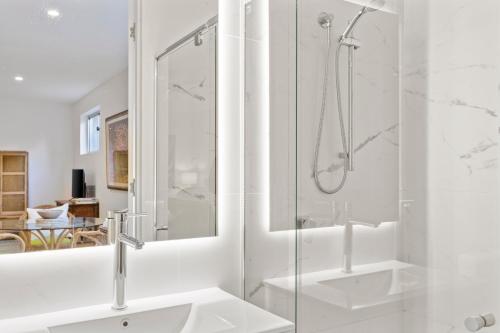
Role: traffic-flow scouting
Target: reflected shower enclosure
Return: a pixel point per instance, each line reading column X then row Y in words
column 186, row 114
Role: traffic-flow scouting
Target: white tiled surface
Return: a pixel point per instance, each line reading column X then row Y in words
column 450, row 158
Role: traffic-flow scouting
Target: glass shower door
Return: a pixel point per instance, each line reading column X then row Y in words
column 395, row 228
column 186, row 139
column 349, row 276
column 410, row 241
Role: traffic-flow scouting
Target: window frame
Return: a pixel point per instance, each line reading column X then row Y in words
column 90, row 132
column 85, row 132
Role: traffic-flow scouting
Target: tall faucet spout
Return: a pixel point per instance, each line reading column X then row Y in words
column 348, row 240
column 122, row 240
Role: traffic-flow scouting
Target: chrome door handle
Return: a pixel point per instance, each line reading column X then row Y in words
column 476, row 323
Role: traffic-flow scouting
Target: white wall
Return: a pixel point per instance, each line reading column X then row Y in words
column 44, row 130
column 48, row 281
column 111, row 97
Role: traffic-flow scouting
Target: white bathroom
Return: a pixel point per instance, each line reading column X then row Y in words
column 274, row 166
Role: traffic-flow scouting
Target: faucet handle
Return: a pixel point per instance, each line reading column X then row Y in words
column 131, row 241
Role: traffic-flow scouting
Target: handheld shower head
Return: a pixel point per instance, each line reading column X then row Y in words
column 370, row 7
column 374, row 5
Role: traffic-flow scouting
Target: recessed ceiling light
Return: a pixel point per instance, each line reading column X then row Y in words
column 53, row 13
column 18, row 78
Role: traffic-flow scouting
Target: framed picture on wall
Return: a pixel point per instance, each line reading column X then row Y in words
column 117, row 151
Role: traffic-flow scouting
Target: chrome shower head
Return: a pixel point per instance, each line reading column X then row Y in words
column 372, row 6
column 325, row 20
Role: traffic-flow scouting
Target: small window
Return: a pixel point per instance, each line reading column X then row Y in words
column 93, row 132
column 90, row 131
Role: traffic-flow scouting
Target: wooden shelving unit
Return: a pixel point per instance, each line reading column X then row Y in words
column 13, row 183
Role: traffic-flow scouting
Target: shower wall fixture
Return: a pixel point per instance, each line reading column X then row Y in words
column 346, row 40
column 371, row 191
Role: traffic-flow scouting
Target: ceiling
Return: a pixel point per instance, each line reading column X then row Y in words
column 61, row 59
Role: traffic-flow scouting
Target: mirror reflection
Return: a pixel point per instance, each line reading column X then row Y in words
column 186, row 136
column 63, row 122
column 66, row 131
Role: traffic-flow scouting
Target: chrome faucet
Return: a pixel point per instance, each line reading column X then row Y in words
column 121, row 241
column 348, row 236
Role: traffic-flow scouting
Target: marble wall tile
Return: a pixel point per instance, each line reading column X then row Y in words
column 450, row 159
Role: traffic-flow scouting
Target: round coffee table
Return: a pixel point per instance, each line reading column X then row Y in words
column 26, row 228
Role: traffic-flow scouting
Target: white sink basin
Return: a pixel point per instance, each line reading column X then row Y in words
column 202, row 311
column 362, row 289
column 369, row 285
column 177, row 319
column 167, row 320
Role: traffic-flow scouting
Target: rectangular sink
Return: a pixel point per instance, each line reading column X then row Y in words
column 177, row 319
column 373, row 288
column 363, row 289
column 367, row 286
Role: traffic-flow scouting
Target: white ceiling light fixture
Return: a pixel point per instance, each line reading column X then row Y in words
column 53, row 13
column 18, row 78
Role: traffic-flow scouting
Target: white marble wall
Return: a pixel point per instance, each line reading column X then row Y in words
column 450, row 83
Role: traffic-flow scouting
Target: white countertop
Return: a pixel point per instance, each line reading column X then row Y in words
column 244, row 316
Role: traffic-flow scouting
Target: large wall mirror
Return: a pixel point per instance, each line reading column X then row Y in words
column 64, row 122
column 298, row 93
column 186, row 136
column 67, row 131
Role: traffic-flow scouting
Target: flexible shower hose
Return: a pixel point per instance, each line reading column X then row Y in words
column 322, row 118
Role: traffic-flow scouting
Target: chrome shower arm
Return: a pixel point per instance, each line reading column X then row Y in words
column 352, row 24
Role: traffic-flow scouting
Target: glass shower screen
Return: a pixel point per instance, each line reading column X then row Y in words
column 186, row 116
